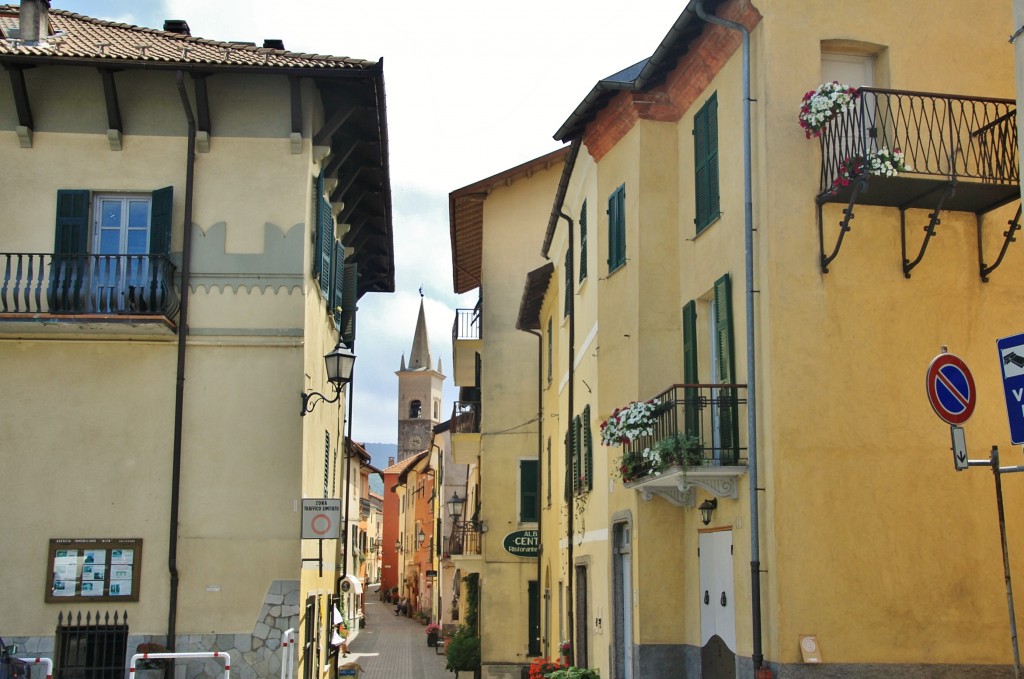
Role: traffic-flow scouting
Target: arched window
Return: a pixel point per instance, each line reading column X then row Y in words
column 414, row 409
column 437, row 409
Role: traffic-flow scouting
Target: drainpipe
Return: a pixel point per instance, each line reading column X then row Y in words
column 748, row 245
column 179, row 392
column 540, row 457
column 572, row 495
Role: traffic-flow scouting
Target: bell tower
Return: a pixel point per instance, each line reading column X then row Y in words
column 419, row 393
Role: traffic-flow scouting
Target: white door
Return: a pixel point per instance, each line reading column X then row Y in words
column 717, row 604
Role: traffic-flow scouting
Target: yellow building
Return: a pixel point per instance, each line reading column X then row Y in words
column 784, row 332
column 185, row 237
column 494, row 426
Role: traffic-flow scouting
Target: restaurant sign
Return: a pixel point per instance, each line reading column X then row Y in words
column 523, row 543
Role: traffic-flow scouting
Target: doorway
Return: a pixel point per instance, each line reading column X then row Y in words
column 717, row 605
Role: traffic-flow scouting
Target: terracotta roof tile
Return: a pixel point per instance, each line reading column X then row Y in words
column 78, row 36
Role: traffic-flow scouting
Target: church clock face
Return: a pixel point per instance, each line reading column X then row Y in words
column 415, row 440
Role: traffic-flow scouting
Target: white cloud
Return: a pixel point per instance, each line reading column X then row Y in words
column 473, row 88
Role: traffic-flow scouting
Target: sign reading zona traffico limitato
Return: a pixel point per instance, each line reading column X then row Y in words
column 522, row 543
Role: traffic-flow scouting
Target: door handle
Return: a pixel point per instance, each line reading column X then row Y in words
column 722, row 601
column 707, row 599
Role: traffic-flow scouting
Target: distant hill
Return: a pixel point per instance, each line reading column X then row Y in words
column 379, row 454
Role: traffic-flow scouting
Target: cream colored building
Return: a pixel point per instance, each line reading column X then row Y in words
column 494, row 426
column 864, row 550
column 185, row 237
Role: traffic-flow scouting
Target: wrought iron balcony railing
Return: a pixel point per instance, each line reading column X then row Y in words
column 703, row 418
column 959, row 153
column 466, row 417
column 467, row 325
column 465, row 539
column 79, row 284
column 941, row 136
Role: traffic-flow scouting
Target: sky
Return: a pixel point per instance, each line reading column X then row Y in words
column 473, row 88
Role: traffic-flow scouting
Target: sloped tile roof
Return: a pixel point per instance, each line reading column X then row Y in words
column 75, row 36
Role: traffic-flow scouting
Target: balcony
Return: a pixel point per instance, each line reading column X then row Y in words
column 703, row 420
column 467, row 346
column 960, row 153
column 464, row 540
column 465, row 432
column 99, row 293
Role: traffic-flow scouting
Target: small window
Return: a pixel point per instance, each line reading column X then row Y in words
column 529, row 501
column 415, row 407
column 617, row 229
column 705, row 154
column 437, row 409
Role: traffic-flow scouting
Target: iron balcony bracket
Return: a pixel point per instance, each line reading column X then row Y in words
column 1008, row 238
column 946, row 190
column 860, row 186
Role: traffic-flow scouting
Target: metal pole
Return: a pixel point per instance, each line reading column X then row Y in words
column 996, row 472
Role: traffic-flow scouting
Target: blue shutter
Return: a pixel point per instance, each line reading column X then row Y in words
column 325, row 239
column 160, row 221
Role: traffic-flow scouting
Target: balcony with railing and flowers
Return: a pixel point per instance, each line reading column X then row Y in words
column 905, row 149
column 686, row 436
column 99, row 292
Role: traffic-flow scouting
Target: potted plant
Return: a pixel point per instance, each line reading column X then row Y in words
column 629, row 423
column 680, row 448
column 433, row 632
column 463, row 652
column 823, row 103
column 881, row 163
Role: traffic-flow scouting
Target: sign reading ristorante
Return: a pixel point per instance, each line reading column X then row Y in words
column 522, row 543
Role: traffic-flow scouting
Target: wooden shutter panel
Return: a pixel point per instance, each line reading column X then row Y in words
column 621, row 225
column 338, row 284
column 160, row 221
column 568, row 280
column 727, row 409
column 325, row 227
column 529, row 506
column 348, row 304
column 613, row 238
column 705, row 153
column 691, row 395
column 318, row 192
column 568, row 463
column 588, row 451
column 712, row 157
column 577, row 459
column 70, row 244
column 583, row 241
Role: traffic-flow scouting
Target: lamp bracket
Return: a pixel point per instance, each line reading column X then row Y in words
column 309, row 399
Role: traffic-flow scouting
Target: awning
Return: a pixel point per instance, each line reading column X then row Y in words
column 350, row 583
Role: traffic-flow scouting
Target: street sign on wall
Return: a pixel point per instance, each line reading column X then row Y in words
column 522, row 543
column 1011, row 364
column 950, row 388
column 321, row 518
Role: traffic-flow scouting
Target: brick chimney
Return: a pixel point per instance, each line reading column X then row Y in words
column 34, row 21
column 391, row 461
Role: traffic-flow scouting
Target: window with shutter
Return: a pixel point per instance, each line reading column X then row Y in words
column 529, row 500
column 583, row 242
column 691, row 395
column 617, row 228
column 325, row 240
column 70, row 245
column 350, row 292
column 728, row 425
column 551, row 351
column 588, row 452
column 705, row 153
column 577, row 454
column 337, row 299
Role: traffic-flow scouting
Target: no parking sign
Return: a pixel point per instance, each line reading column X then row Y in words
column 950, row 388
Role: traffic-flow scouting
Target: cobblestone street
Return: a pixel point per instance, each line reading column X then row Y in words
column 395, row 647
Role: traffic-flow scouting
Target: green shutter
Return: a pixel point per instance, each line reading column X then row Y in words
column 691, row 395
column 705, row 154
column 551, row 351
column 568, row 464
column 727, row 409
column 577, row 456
column 71, row 239
column 160, row 221
column 568, row 281
column 583, row 241
column 349, row 298
column 325, row 240
column 588, row 451
column 529, row 501
column 338, row 288
column 617, row 228
column 318, row 192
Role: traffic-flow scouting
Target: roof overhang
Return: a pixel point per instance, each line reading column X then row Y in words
column 533, row 297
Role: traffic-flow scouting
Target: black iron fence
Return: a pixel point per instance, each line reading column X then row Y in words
column 941, row 135
column 43, row 283
column 467, row 325
column 91, row 648
column 465, row 539
column 699, row 423
column 466, row 417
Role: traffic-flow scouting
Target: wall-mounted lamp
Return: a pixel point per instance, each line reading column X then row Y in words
column 398, row 546
column 421, row 537
column 706, row 508
column 455, row 505
column 339, row 373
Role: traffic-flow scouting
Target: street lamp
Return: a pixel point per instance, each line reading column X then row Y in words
column 455, row 505
column 706, row 508
column 339, row 363
column 421, row 537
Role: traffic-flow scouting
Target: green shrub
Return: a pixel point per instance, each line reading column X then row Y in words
column 463, row 652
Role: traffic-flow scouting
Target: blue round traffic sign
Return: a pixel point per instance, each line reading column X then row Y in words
column 950, row 388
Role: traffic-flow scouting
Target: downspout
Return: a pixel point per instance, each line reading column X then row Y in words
column 572, row 494
column 179, row 392
column 540, row 457
column 348, row 482
column 748, row 245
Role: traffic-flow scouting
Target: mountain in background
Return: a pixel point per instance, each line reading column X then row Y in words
column 379, row 454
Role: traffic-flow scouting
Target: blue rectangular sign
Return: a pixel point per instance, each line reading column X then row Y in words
column 1011, row 365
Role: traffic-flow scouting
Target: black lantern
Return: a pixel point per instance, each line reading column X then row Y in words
column 421, row 537
column 706, row 508
column 339, row 363
column 455, row 505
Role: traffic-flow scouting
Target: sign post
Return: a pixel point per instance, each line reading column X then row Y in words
column 321, row 520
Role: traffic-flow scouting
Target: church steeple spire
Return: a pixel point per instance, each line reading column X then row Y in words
column 419, row 357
